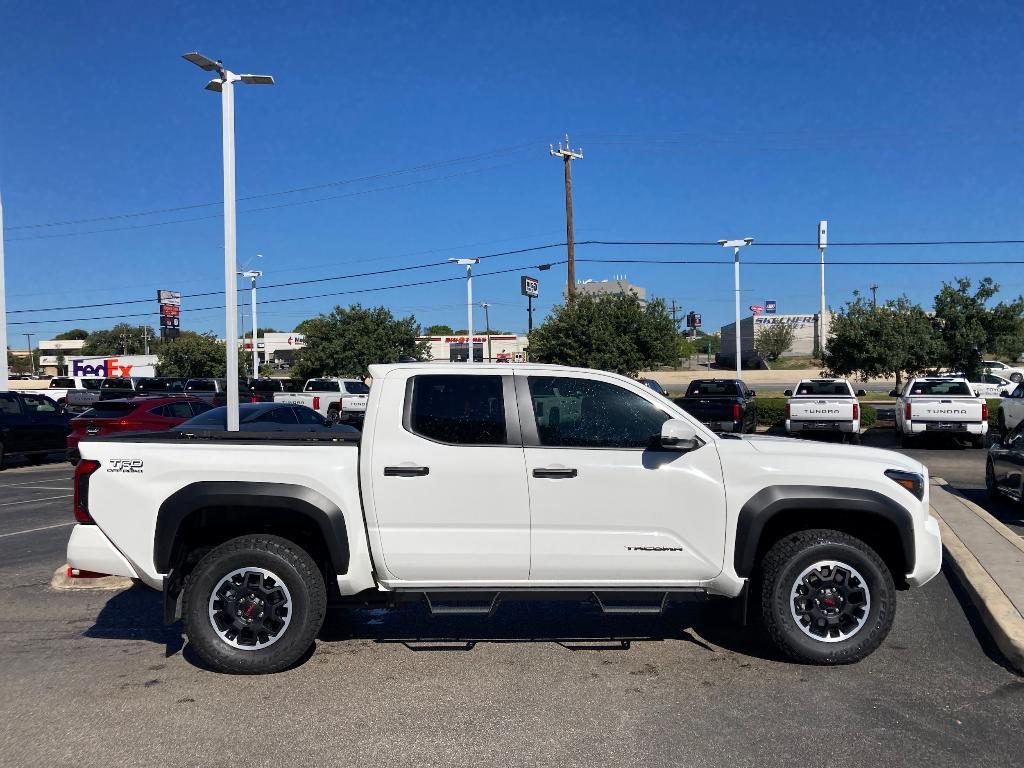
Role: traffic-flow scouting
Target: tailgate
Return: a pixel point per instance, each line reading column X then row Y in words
column 947, row 410
column 708, row 409
column 293, row 398
column 354, row 403
column 821, row 410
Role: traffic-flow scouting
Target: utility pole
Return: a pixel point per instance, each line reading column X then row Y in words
column 487, row 324
column 674, row 310
column 31, row 357
column 568, row 155
column 4, row 372
column 874, row 295
column 145, row 339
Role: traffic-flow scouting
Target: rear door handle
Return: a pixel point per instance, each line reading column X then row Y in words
column 406, row 471
column 555, row 472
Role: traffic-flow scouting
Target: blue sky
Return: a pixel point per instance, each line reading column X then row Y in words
column 699, row 121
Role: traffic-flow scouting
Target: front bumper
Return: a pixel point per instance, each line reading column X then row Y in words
column 927, row 552
column 90, row 550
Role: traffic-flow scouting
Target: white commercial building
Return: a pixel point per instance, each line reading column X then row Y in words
column 278, row 349
column 805, row 337
column 501, row 347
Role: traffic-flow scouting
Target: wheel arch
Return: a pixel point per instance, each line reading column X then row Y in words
column 777, row 511
column 226, row 509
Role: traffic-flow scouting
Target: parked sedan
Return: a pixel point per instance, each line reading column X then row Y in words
column 137, row 414
column 31, row 425
column 1004, row 469
column 265, row 417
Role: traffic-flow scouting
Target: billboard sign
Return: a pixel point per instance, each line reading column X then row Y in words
column 769, row 307
column 170, row 313
column 757, row 309
column 530, row 286
column 169, row 297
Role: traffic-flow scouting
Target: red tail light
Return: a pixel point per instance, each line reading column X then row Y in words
column 787, row 410
column 127, row 424
column 83, row 470
column 254, row 399
column 856, row 411
column 316, row 403
column 906, row 411
column 984, row 411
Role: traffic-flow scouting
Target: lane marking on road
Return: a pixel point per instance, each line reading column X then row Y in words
column 32, row 501
column 35, row 487
column 33, row 530
column 33, row 482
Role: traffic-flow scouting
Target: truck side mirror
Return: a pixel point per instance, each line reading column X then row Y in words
column 893, row 393
column 677, row 435
column 788, row 393
column 861, row 393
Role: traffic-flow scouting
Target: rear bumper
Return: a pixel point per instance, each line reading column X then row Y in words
column 794, row 425
column 724, row 426
column 90, row 550
column 967, row 428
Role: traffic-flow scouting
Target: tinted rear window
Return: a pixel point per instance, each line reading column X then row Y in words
column 356, row 388
column 265, row 386
column 117, row 384
column 62, row 383
column 832, row 388
column 200, row 385
column 941, row 388
column 322, row 385
column 108, row 410
column 712, row 389
column 466, row 410
column 91, row 383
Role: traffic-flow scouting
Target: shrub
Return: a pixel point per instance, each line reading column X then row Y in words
column 868, row 415
column 770, row 411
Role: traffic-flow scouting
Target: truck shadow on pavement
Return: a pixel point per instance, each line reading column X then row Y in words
column 137, row 614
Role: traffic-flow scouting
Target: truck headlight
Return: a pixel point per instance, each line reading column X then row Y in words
column 912, row 481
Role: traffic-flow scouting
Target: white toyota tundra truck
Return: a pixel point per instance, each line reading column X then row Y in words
column 940, row 406
column 473, row 482
column 824, row 405
column 340, row 400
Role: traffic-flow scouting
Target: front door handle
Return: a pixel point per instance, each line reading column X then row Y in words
column 406, row 471
column 555, row 472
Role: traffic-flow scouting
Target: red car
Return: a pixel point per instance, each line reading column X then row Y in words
column 136, row 414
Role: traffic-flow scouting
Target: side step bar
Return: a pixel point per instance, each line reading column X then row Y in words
column 612, row 603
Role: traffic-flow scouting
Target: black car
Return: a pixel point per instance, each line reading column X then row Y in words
column 265, row 417
column 724, row 405
column 31, row 425
column 652, row 384
column 1004, row 470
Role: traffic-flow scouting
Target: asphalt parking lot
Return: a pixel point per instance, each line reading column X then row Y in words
column 94, row 678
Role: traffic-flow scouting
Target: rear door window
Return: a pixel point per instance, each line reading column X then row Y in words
column 9, row 405
column 460, row 410
column 39, row 404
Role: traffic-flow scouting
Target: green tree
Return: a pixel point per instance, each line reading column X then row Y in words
column 773, row 340
column 262, row 332
column 348, row 341
column 968, row 327
column 893, row 339
column 439, row 330
column 122, row 339
column 61, row 363
column 75, row 334
column 612, row 333
column 193, row 355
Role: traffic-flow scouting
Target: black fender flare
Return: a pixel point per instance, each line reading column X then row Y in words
column 287, row 498
column 776, row 499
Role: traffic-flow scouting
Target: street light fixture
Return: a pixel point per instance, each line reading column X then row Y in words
column 468, row 264
column 736, row 245
column 225, row 85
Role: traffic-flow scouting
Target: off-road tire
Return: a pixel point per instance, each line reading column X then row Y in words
column 787, row 559
column 334, row 415
column 990, row 481
column 1016, row 378
column 301, row 577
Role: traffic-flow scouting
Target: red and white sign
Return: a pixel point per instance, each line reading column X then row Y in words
column 757, row 309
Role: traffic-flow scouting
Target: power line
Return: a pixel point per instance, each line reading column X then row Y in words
column 301, row 298
column 294, row 190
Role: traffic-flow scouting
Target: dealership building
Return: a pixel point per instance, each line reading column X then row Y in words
column 805, row 336
column 454, row 348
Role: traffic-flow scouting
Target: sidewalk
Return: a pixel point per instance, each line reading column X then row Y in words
column 988, row 560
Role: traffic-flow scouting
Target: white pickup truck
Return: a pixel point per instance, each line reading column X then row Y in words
column 940, row 406
column 60, row 386
column 470, row 482
column 340, row 400
column 824, row 405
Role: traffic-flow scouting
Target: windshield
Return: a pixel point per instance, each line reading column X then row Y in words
column 941, row 387
column 711, row 389
column 818, row 388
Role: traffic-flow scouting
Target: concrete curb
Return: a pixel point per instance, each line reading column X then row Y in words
column 61, row 582
column 1001, row 618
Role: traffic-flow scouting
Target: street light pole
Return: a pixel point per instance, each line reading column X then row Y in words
column 468, row 264
column 487, row 324
column 822, row 244
column 4, row 372
column 225, row 85
column 252, row 275
column 736, row 245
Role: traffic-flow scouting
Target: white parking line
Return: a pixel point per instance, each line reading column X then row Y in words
column 35, row 488
column 32, row 501
column 33, row 530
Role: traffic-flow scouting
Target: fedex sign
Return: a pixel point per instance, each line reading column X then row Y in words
column 110, row 367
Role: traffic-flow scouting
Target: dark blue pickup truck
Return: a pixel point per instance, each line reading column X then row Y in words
column 31, row 425
column 724, row 405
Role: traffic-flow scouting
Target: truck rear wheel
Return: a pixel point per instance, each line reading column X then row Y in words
column 254, row 605
column 826, row 597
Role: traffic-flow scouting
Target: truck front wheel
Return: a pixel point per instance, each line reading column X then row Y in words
column 254, row 605
column 826, row 597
